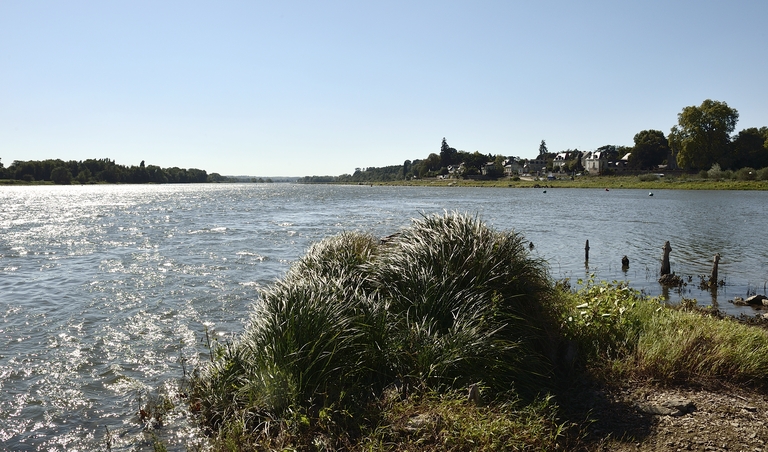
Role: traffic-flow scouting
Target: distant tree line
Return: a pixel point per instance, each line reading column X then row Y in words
column 104, row 171
column 702, row 140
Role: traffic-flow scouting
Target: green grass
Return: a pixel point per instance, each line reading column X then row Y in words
column 373, row 346
column 679, row 182
column 623, row 334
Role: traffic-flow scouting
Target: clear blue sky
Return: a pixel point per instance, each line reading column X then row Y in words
column 273, row 88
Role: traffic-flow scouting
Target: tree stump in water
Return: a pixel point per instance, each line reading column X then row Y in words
column 713, row 275
column 586, row 252
column 665, row 270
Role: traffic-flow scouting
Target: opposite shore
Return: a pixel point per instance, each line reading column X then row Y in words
column 682, row 182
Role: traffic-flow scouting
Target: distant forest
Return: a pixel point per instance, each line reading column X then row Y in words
column 702, row 141
column 94, row 171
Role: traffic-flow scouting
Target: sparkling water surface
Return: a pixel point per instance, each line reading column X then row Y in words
column 106, row 292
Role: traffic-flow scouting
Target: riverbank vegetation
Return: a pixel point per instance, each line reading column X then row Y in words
column 702, row 141
column 676, row 181
column 93, row 171
column 448, row 335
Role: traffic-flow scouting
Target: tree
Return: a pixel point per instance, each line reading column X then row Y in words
column 543, row 148
column 748, row 149
column 702, row 135
column 651, row 149
column 448, row 155
column 61, row 175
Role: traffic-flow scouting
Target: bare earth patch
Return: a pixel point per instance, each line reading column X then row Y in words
column 642, row 418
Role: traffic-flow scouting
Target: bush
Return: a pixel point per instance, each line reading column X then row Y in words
column 763, row 174
column 746, row 173
column 444, row 304
column 648, row 177
column 715, row 172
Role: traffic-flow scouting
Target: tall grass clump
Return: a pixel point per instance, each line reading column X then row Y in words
column 445, row 304
column 466, row 303
column 680, row 346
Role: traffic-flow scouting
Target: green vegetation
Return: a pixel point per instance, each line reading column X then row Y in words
column 647, row 181
column 446, row 336
column 93, row 171
column 702, row 138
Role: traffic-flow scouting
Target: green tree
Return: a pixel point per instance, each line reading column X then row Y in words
column 543, row 148
column 61, row 175
column 651, row 149
column 448, row 155
column 748, row 149
column 84, row 175
column 702, row 135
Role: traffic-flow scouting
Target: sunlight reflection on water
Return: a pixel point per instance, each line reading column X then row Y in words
column 106, row 291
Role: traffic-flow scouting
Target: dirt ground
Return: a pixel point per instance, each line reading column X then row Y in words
column 644, row 418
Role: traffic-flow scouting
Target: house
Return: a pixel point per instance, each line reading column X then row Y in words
column 560, row 162
column 512, row 167
column 488, row 168
column 533, row 166
column 456, row 169
column 599, row 161
column 594, row 162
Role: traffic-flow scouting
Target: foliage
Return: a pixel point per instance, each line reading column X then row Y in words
column 678, row 345
column 648, row 177
column 702, row 136
column 651, row 149
column 605, row 319
column 543, row 148
column 61, row 175
column 748, row 149
column 448, row 422
column 448, row 155
column 100, row 170
column 616, row 330
column 442, row 305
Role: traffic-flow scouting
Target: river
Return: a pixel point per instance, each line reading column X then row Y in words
column 106, row 292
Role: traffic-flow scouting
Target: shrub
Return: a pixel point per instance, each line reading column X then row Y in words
column 762, row 174
column 468, row 304
column 648, row 177
column 746, row 173
column 605, row 320
column 715, row 172
column 446, row 303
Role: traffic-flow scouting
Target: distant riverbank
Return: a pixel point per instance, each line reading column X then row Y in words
column 610, row 182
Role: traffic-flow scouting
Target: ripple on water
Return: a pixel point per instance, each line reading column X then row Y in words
column 107, row 291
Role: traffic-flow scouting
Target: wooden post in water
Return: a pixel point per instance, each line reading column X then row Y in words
column 586, row 252
column 624, row 263
column 713, row 275
column 665, row 270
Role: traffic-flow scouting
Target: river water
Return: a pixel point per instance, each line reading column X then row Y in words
column 107, row 292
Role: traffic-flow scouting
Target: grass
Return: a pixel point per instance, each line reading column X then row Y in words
column 621, row 334
column 375, row 346
column 676, row 182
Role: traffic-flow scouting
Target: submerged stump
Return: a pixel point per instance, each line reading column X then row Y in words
column 665, row 269
column 713, row 274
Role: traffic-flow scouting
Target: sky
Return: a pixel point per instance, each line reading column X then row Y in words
column 302, row 88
